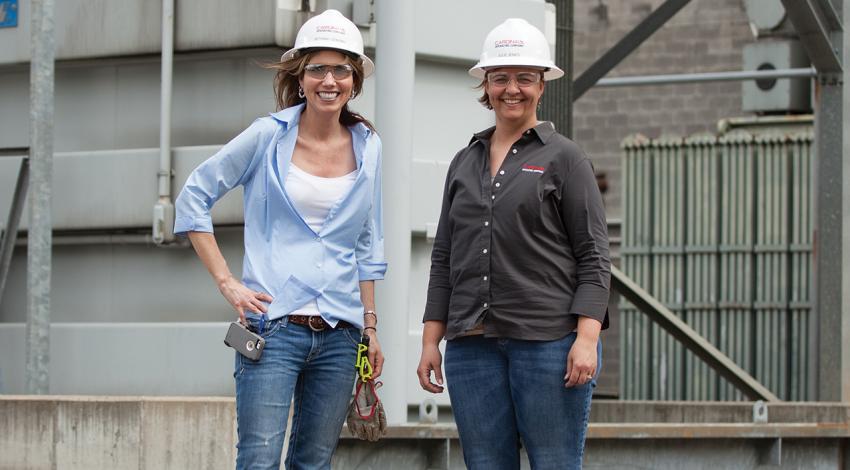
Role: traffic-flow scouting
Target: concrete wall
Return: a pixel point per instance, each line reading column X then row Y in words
column 155, row 433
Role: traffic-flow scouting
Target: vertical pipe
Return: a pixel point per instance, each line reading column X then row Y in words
column 394, row 77
column 557, row 104
column 163, row 212
column 829, row 251
column 844, row 353
column 39, row 193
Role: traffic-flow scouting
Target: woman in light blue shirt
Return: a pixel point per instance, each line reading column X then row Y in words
column 311, row 175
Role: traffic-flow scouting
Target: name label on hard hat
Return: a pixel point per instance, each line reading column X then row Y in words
column 330, row 29
column 510, row 43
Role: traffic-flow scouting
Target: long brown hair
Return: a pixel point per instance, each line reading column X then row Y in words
column 289, row 72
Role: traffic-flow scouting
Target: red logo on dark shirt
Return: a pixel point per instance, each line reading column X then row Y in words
column 533, row 169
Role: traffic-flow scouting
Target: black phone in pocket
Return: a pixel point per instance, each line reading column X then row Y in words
column 245, row 341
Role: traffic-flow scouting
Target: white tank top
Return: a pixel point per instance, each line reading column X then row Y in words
column 313, row 196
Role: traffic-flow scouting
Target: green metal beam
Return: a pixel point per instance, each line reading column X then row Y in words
column 677, row 328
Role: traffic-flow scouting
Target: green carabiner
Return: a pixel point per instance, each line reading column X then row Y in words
column 362, row 365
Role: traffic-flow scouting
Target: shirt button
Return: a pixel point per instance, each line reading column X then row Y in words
column 485, row 304
column 498, row 184
column 486, row 223
column 493, row 197
column 513, row 151
column 528, row 132
column 485, row 278
column 484, row 251
column 502, row 172
column 318, row 265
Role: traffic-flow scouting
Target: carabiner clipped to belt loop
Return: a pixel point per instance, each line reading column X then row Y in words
column 263, row 319
column 364, row 368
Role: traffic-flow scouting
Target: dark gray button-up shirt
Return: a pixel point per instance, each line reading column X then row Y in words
column 526, row 252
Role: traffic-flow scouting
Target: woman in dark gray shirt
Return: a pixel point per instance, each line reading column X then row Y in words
column 520, row 273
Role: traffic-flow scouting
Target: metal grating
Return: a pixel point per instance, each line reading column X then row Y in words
column 719, row 230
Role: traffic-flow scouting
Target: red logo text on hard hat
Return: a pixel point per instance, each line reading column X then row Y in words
column 510, row 43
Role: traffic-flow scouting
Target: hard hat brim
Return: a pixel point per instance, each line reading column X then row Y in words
column 365, row 61
column 550, row 71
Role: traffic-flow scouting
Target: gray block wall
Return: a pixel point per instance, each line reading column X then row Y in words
column 705, row 36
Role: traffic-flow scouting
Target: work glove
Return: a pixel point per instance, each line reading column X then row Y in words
column 366, row 418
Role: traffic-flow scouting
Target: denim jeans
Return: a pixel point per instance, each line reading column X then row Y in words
column 317, row 369
column 506, row 390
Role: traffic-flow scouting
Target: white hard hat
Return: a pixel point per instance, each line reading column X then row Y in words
column 516, row 43
column 331, row 30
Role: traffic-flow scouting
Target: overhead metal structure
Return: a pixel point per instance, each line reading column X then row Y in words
column 819, row 25
column 669, row 79
column 625, row 46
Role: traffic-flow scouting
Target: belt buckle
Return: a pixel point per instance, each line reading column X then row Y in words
column 320, row 324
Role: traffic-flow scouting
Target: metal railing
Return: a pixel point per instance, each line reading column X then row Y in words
column 10, row 230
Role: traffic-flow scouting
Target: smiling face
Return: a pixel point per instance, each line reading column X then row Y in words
column 332, row 91
column 514, row 93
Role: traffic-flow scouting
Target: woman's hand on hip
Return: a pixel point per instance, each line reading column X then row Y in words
column 581, row 362
column 243, row 299
column 376, row 357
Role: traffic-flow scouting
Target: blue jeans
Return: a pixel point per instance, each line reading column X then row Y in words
column 317, row 368
column 506, row 390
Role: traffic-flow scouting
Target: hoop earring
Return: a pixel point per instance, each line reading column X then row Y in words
column 353, row 95
column 300, row 92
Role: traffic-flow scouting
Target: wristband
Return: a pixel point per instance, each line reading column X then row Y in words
column 370, row 328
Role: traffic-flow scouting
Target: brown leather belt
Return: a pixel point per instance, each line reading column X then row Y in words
column 317, row 323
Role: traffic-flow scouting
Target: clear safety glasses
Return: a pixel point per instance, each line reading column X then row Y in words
column 320, row 71
column 522, row 79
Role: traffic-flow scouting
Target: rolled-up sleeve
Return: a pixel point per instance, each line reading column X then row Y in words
column 584, row 218
column 371, row 264
column 212, row 179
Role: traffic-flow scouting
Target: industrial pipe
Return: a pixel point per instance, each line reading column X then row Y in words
column 706, row 77
column 395, row 55
column 163, row 210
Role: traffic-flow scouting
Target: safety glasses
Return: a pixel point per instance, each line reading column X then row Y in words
column 522, row 79
column 320, row 71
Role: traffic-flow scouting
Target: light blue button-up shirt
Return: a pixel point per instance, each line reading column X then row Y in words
column 283, row 256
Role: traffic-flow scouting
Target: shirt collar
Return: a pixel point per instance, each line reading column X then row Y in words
column 290, row 117
column 543, row 131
